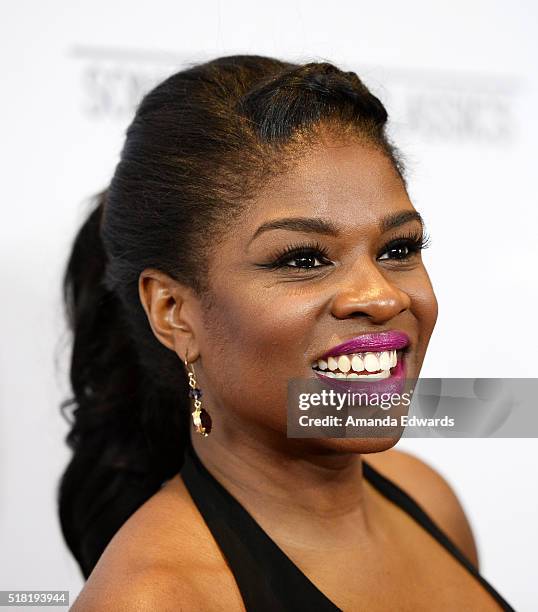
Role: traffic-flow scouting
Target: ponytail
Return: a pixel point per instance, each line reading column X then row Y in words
column 116, row 413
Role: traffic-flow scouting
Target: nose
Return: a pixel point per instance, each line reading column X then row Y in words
column 366, row 292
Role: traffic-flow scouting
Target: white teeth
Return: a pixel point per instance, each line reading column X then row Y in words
column 376, row 376
column 385, row 360
column 332, row 363
column 344, row 364
column 357, row 363
column 371, row 362
column 355, row 376
column 347, row 366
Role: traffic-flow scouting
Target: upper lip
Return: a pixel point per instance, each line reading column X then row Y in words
column 379, row 341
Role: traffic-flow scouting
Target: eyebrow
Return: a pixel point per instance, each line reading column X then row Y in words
column 316, row 225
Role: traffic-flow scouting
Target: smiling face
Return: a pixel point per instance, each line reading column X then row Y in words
column 272, row 313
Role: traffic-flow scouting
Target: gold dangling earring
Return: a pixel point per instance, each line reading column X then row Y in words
column 200, row 416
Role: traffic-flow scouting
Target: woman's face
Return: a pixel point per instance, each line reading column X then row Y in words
column 270, row 317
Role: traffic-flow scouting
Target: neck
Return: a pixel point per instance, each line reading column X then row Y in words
column 312, row 486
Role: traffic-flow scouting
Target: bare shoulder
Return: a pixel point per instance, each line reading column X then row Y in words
column 162, row 558
column 431, row 491
column 144, row 590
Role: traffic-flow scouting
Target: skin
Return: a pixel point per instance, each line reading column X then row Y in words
column 335, row 521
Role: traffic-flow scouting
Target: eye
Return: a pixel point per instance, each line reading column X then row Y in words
column 299, row 257
column 404, row 247
column 401, row 251
column 306, row 259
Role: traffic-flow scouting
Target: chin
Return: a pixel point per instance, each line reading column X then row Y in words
column 357, row 445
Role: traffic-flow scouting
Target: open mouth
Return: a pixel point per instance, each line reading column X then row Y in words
column 363, row 366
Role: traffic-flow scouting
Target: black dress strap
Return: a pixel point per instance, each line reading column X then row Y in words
column 398, row 496
column 267, row 578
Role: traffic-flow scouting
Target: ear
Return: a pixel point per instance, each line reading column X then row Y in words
column 168, row 305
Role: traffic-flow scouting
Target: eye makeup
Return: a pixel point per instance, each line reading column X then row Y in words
column 411, row 243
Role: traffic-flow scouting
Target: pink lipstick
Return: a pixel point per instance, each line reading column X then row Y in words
column 373, row 342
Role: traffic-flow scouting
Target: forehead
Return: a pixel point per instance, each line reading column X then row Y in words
column 350, row 183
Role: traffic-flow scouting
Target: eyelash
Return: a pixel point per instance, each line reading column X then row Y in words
column 414, row 241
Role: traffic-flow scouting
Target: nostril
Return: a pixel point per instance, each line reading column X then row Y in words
column 356, row 314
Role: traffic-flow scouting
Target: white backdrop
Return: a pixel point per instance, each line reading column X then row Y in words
column 459, row 80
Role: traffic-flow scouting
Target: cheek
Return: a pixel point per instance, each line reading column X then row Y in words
column 427, row 304
column 258, row 339
column 424, row 306
column 258, row 330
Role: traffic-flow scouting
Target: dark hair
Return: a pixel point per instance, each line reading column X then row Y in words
column 200, row 144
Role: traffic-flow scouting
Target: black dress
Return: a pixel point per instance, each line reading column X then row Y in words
column 267, row 578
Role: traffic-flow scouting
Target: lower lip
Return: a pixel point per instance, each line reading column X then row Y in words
column 393, row 384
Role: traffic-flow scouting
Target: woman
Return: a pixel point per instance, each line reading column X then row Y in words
column 258, row 219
